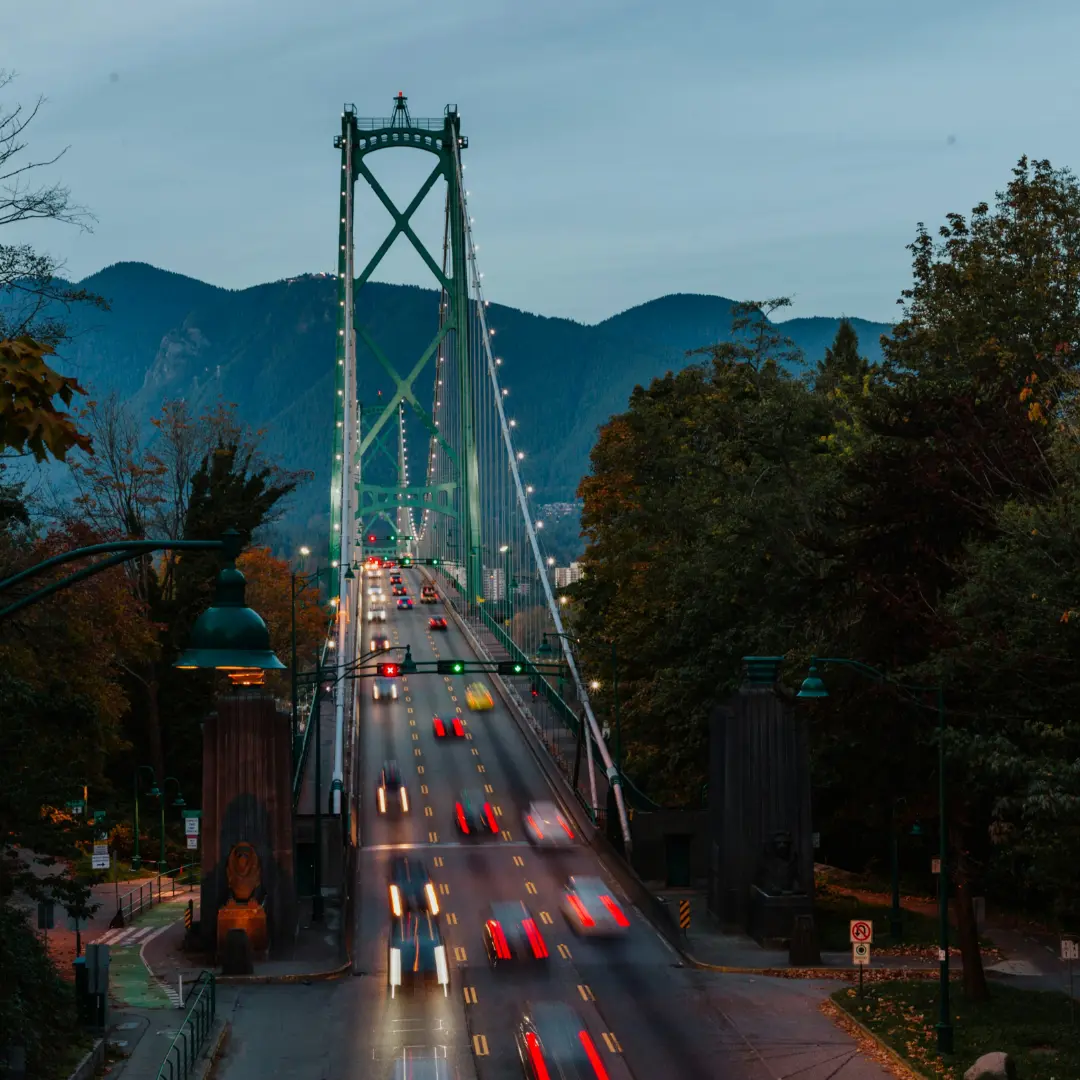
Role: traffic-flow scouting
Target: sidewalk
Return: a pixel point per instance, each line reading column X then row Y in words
column 1028, row 961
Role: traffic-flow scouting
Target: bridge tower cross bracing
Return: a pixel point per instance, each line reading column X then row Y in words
column 457, row 497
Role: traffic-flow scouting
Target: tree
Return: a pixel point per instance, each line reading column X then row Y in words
column 29, row 418
column 695, row 512
column 31, row 295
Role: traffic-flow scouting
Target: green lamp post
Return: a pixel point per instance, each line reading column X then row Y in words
column 136, row 859
column 163, row 863
column 814, row 689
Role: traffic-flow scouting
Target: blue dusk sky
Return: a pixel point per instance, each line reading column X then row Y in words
column 619, row 149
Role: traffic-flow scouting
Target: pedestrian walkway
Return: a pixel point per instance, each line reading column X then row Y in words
column 131, row 981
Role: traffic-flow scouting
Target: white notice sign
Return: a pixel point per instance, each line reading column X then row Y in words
column 192, row 841
column 101, row 849
column 100, row 862
column 191, row 827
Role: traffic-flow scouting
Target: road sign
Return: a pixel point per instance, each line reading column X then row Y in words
column 192, row 841
column 684, row 914
column 190, row 813
column 860, row 953
column 99, row 862
column 75, row 807
column 935, row 866
column 188, row 915
column 191, row 826
column 1070, row 949
column 862, row 931
column 101, row 849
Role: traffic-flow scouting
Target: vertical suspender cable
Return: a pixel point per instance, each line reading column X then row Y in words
column 597, row 736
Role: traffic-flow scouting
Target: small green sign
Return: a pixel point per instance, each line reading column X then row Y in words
column 191, row 813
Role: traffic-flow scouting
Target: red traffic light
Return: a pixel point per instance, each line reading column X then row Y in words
column 371, row 539
column 387, row 671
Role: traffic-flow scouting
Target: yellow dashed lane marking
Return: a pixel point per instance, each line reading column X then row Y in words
column 530, row 888
column 433, row 837
column 470, row 995
column 506, row 834
column 459, row 954
column 420, row 770
column 564, row 952
column 468, row 735
column 480, row 1046
column 476, row 752
column 480, row 768
column 585, row 992
column 428, row 812
column 423, row 789
column 416, row 737
column 437, row 861
column 418, row 752
column 498, row 811
column 412, row 721
column 611, row 1042
column 451, row 919
column 444, row 889
column 518, row 860
column 545, row 918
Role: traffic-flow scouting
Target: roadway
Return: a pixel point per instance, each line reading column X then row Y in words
column 646, row 1014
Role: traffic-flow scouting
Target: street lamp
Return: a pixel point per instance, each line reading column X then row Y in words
column 163, row 864
column 814, row 689
column 136, row 859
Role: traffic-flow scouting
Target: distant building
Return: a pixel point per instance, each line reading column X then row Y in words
column 567, row 575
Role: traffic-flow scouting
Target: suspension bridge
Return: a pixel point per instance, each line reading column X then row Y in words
column 465, row 515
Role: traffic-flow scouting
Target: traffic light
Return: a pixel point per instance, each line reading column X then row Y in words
column 406, row 561
column 393, row 536
column 387, row 671
column 535, row 688
column 371, row 538
column 511, row 667
column 450, row 667
column 434, row 562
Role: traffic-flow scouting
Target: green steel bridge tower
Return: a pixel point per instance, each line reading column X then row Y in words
column 470, row 513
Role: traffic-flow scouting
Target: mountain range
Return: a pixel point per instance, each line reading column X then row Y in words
column 270, row 349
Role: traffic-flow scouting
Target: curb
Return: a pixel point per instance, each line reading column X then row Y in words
column 836, row 974
column 211, row 1055
column 313, row 976
column 845, row 1021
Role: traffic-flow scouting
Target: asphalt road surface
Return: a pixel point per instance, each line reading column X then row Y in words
column 649, row 1017
column 645, row 1017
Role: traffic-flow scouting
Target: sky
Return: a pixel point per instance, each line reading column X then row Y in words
column 619, row 150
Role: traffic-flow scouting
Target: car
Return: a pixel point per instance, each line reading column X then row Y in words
column 546, row 826
column 417, row 952
column 511, row 934
column 553, row 1041
column 437, row 623
column 399, row 590
column 395, row 579
column 478, row 697
column 590, row 908
column 404, row 603
column 455, row 729
column 376, row 614
column 474, row 816
column 428, row 595
column 383, row 689
column 410, row 887
column 391, row 791
column 380, row 643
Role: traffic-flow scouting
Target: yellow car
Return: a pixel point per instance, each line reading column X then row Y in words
column 478, row 697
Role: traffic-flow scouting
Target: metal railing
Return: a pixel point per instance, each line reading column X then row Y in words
column 183, row 1053
column 164, row 885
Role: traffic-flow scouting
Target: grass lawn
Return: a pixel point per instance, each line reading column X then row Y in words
column 834, row 910
column 833, row 913
column 1033, row 1027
